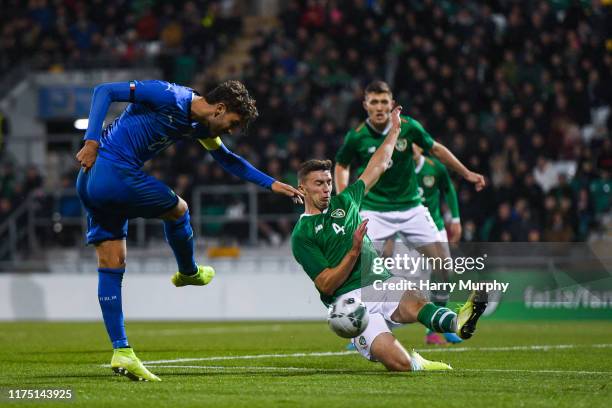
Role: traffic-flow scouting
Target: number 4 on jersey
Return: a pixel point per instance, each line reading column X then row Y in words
column 338, row 229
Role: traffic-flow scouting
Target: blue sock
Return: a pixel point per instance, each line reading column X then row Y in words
column 180, row 237
column 109, row 296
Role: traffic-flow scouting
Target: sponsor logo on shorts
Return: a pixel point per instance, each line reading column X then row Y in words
column 362, row 341
column 338, row 213
column 371, row 149
column 401, row 145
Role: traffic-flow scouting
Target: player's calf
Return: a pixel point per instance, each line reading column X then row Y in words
column 390, row 353
column 394, row 357
column 179, row 236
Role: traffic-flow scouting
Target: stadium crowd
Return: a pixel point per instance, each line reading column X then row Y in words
column 178, row 36
column 519, row 91
column 515, row 89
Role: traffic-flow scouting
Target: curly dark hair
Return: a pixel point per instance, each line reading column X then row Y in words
column 237, row 99
column 313, row 165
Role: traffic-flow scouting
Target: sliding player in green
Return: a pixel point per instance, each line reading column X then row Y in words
column 330, row 243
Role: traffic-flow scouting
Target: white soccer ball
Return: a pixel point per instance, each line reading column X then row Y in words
column 348, row 317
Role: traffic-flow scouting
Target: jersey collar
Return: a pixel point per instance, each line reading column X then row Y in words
column 373, row 129
column 420, row 164
column 310, row 215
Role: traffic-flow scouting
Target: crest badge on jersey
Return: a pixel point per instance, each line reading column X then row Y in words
column 429, row 181
column 338, row 213
column 401, row 145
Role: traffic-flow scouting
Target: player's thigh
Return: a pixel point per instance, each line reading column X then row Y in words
column 443, row 240
column 396, row 305
column 102, row 227
column 111, row 254
column 125, row 191
column 150, row 198
column 388, row 350
column 409, row 306
column 389, row 247
column 417, row 227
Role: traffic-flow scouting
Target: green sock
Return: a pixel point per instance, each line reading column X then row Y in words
column 438, row 319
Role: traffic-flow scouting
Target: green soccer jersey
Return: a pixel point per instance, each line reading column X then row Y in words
column 320, row 241
column 433, row 179
column 397, row 188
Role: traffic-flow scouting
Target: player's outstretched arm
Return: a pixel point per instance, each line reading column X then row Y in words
column 379, row 162
column 330, row 279
column 449, row 159
column 341, row 177
column 239, row 167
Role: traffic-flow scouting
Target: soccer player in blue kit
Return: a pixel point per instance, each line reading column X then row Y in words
column 113, row 188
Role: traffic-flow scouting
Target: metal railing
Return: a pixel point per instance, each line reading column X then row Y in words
column 19, row 234
column 15, row 229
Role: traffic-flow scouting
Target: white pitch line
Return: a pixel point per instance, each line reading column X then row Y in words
column 543, row 347
column 248, row 368
column 209, row 330
column 344, row 353
column 251, row 357
column 332, row 370
column 512, row 370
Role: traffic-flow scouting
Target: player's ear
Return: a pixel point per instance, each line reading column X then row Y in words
column 300, row 187
column 365, row 104
column 220, row 109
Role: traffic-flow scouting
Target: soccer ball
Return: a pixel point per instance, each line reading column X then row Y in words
column 348, row 317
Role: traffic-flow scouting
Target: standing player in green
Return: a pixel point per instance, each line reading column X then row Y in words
column 330, row 243
column 394, row 204
column 433, row 180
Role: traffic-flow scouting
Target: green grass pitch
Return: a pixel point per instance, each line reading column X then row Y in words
column 535, row 364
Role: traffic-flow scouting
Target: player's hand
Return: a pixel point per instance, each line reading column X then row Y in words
column 87, row 155
column 281, row 188
column 396, row 121
column 477, row 179
column 455, row 232
column 358, row 235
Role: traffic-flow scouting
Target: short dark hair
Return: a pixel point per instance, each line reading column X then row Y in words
column 309, row 166
column 237, row 99
column 378, row 87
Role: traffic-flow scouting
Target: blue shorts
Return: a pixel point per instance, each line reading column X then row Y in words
column 113, row 194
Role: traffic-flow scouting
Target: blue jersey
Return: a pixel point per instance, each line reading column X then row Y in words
column 158, row 116
column 115, row 189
